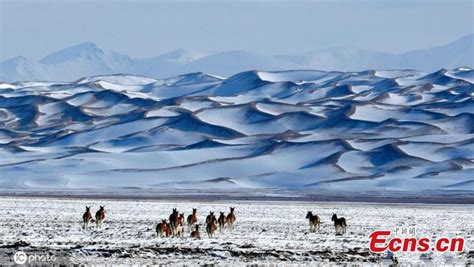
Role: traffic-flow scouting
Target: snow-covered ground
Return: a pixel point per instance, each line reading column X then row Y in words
column 309, row 131
column 266, row 232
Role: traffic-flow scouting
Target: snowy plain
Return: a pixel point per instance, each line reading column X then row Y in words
column 268, row 232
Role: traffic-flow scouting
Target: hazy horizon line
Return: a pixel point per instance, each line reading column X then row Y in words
column 204, row 54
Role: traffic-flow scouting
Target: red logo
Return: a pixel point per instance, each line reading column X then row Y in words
column 381, row 241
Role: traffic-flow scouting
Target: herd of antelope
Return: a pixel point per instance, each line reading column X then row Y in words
column 99, row 217
column 315, row 223
column 174, row 227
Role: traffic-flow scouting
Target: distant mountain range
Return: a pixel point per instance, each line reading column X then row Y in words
column 87, row 59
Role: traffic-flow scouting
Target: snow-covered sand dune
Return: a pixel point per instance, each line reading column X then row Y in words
column 385, row 131
column 268, row 232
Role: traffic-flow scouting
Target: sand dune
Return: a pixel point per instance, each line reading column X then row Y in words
column 398, row 130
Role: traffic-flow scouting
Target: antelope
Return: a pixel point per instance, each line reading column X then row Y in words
column 192, row 219
column 222, row 221
column 179, row 227
column 209, row 217
column 86, row 218
column 162, row 229
column 231, row 218
column 174, row 220
column 195, row 233
column 211, row 226
column 339, row 223
column 100, row 217
column 314, row 222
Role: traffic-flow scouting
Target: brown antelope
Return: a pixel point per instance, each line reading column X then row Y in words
column 339, row 223
column 192, row 219
column 314, row 222
column 174, row 221
column 100, row 217
column 162, row 229
column 179, row 228
column 231, row 218
column 86, row 218
column 222, row 221
column 211, row 226
column 209, row 217
column 195, row 233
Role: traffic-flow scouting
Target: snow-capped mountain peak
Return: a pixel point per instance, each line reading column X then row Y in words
column 84, row 51
column 87, row 59
column 181, row 55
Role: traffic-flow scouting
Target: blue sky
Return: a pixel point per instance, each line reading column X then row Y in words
column 147, row 28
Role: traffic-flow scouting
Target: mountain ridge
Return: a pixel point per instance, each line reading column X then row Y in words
column 87, row 59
